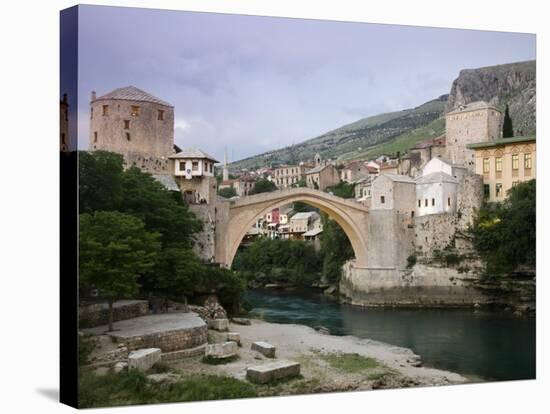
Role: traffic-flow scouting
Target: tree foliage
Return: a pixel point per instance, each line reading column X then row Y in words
column 263, row 186
column 100, row 181
column 342, row 189
column 505, row 233
column 227, row 192
column 336, row 249
column 293, row 261
column 114, row 249
column 507, row 128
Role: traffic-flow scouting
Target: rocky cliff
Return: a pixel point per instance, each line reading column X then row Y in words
column 513, row 84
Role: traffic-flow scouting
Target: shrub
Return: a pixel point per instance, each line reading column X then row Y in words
column 411, row 261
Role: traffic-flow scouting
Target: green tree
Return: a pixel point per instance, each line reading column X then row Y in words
column 505, row 233
column 507, row 128
column 100, row 180
column 336, row 249
column 114, row 249
column 342, row 189
column 263, row 186
column 145, row 198
column 227, row 192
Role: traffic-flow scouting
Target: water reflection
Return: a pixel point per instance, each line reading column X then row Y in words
column 487, row 344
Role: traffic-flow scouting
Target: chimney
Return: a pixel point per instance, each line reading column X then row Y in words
column 93, row 95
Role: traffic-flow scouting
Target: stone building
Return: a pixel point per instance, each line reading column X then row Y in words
column 354, row 170
column 503, row 163
column 289, row 175
column 194, row 173
column 322, row 177
column 301, row 223
column 412, row 163
column 468, row 124
column 64, row 124
column 135, row 124
column 243, row 185
column 393, row 192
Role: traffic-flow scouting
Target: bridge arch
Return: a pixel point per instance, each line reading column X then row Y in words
column 244, row 212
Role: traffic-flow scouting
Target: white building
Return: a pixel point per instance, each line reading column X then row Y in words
column 192, row 162
column 437, row 187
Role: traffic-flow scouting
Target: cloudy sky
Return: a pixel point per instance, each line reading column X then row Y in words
column 251, row 84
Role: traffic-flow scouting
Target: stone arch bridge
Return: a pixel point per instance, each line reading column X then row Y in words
column 236, row 217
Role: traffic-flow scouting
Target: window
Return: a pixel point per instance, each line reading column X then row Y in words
column 382, row 199
column 425, row 202
column 134, row 111
column 91, row 112
column 485, row 165
column 515, row 162
column 195, row 166
column 128, row 136
column 486, row 190
column 126, row 124
column 95, row 136
column 527, row 161
column 419, row 203
column 498, row 189
column 105, row 110
column 160, row 116
column 498, row 164
column 182, row 165
column 433, row 202
column 449, row 201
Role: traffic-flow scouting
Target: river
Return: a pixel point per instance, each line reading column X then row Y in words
column 481, row 344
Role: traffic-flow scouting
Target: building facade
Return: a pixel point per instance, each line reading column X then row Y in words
column 194, row 173
column 393, row 192
column 504, row 163
column 468, row 124
column 321, row 177
column 288, row 175
column 133, row 123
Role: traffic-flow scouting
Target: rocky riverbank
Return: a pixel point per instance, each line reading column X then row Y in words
column 328, row 363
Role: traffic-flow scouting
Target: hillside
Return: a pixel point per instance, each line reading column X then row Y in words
column 388, row 133
column 513, row 84
column 360, row 135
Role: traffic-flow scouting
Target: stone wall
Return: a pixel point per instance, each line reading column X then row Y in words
column 170, row 340
column 205, row 240
column 98, row 314
column 422, row 285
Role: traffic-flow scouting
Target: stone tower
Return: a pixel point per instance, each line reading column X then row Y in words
column 135, row 124
column 467, row 124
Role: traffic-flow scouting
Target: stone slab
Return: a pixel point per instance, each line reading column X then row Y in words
column 219, row 351
column 241, row 321
column 120, row 366
column 144, row 359
column 264, row 348
column 234, row 336
column 272, row 371
column 218, row 324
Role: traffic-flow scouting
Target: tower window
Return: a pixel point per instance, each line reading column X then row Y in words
column 134, row 110
column 105, row 110
column 160, row 115
column 382, row 199
column 449, row 201
column 128, row 136
column 91, row 113
column 95, row 136
column 126, row 124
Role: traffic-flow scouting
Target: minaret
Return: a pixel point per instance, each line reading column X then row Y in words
column 225, row 170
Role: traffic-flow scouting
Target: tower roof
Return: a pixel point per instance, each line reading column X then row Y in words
column 473, row 106
column 193, row 153
column 131, row 93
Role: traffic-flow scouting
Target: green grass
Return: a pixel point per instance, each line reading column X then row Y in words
column 132, row 388
column 350, row 362
column 401, row 143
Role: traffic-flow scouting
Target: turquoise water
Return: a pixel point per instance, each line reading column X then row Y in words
column 488, row 344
